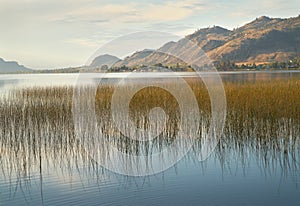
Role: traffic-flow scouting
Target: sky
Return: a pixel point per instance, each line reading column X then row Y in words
column 44, row 34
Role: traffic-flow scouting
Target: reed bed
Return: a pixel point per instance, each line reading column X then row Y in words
column 37, row 127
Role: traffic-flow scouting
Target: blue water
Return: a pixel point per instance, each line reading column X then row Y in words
column 234, row 176
column 188, row 183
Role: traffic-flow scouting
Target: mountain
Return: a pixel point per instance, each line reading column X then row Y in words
column 135, row 59
column 263, row 40
column 11, row 67
column 105, row 60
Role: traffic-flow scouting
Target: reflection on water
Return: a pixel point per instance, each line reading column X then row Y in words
column 252, row 76
column 256, row 162
column 29, row 80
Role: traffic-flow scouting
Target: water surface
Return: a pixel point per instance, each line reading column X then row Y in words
column 41, row 164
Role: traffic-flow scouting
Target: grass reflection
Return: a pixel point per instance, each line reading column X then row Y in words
column 37, row 129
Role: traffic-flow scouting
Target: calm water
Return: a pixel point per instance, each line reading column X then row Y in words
column 240, row 171
column 26, row 80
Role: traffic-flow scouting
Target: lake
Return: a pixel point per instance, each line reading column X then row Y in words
column 25, row 80
column 42, row 162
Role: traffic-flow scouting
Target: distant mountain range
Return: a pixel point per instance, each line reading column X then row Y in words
column 260, row 41
column 263, row 40
column 12, row 67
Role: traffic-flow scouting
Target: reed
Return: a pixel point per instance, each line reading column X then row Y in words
column 37, row 126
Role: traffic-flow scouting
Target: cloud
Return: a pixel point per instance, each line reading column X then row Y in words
column 164, row 12
column 131, row 12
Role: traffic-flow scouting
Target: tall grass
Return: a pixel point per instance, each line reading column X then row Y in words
column 263, row 119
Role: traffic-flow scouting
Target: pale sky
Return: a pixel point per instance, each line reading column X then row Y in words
column 61, row 33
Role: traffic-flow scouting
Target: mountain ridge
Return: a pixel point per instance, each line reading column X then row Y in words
column 12, row 67
column 264, row 39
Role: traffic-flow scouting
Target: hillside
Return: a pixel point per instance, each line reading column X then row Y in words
column 103, row 60
column 11, row 67
column 262, row 40
column 271, row 42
